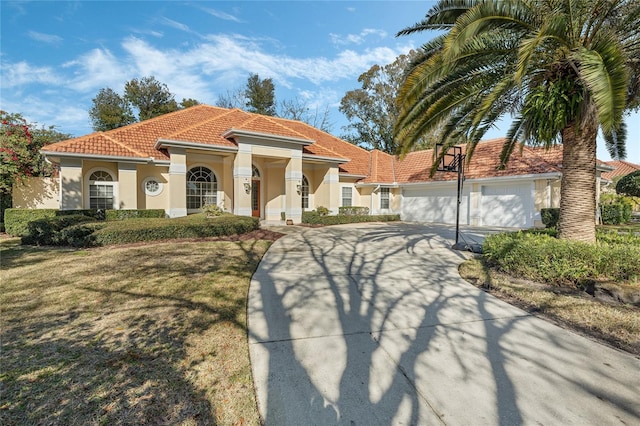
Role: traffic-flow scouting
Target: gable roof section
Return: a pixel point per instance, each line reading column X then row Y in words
column 381, row 168
column 207, row 125
column 622, row 168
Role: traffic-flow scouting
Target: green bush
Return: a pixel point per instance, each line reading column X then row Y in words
column 134, row 214
column 616, row 214
column 81, row 235
column 313, row 218
column 550, row 217
column 47, row 231
column 212, row 210
column 629, row 184
column 541, row 257
column 17, row 220
column 353, row 211
column 322, row 211
column 194, row 226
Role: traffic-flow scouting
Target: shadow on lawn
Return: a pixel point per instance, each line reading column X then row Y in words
column 124, row 352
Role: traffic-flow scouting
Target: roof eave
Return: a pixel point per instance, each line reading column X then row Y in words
column 235, row 133
column 169, row 143
column 118, row 158
column 325, row 159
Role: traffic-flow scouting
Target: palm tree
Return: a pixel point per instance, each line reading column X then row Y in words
column 562, row 68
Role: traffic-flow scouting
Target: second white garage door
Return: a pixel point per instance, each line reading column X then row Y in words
column 507, row 205
column 434, row 205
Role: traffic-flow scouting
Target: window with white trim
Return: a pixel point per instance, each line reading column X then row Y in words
column 101, row 190
column 304, row 192
column 152, row 186
column 202, row 188
column 347, row 196
column 384, row 198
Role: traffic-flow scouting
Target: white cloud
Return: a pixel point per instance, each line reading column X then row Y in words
column 222, row 15
column 45, row 38
column 96, row 69
column 343, row 40
column 21, row 73
column 175, row 24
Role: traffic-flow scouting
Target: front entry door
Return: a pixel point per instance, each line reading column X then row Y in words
column 255, row 198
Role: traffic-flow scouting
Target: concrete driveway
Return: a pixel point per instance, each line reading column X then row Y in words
column 372, row 325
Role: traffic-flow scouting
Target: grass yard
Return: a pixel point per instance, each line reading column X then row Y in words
column 614, row 323
column 143, row 334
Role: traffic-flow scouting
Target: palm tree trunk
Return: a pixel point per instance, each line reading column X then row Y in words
column 578, row 188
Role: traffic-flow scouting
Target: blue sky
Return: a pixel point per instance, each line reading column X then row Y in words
column 57, row 55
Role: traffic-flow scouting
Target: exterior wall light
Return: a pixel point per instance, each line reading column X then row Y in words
column 247, row 186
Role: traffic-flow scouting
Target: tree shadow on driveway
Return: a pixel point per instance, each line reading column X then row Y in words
column 372, row 324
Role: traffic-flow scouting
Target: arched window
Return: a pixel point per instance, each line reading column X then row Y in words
column 101, row 190
column 255, row 173
column 202, row 188
column 304, row 192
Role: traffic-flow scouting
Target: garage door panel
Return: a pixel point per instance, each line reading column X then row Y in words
column 506, row 205
column 434, row 205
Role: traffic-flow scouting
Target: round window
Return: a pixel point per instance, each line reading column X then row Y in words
column 152, row 186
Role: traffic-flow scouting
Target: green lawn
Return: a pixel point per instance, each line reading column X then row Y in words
column 144, row 334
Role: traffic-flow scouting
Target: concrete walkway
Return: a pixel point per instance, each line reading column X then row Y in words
column 372, row 325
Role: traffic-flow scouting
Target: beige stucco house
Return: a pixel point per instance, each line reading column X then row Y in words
column 250, row 164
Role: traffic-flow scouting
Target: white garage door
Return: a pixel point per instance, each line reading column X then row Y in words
column 434, row 205
column 507, row 205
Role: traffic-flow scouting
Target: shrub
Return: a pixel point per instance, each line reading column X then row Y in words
column 615, row 209
column 47, row 231
column 629, row 184
column 550, row 217
column 616, row 214
column 313, row 218
column 212, row 210
column 541, row 257
column 194, row 226
column 353, row 210
column 17, row 220
column 80, row 235
column 322, row 211
column 134, row 214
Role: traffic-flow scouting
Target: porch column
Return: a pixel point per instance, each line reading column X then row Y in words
column 293, row 178
column 127, row 186
column 332, row 180
column 177, row 183
column 71, row 184
column 242, row 176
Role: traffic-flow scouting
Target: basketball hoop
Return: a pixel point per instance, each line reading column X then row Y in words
column 453, row 161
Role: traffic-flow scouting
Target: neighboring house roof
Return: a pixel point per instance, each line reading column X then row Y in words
column 622, row 168
column 216, row 127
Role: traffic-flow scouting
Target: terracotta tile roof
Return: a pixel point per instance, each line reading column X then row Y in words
column 415, row 166
column 381, row 168
column 622, row 168
column 205, row 125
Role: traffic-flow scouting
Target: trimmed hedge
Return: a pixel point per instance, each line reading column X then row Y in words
column 541, row 257
column 314, row 218
column 550, row 217
column 194, row 226
column 134, row 214
column 616, row 214
column 48, row 231
column 17, row 220
column 353, row 211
